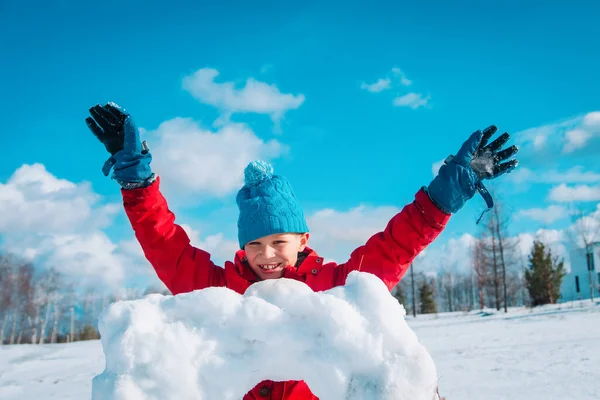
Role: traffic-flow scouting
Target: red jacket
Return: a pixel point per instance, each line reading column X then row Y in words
column 184, row 268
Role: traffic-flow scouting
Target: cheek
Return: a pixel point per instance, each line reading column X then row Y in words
column 250, row 256
column 290, row 254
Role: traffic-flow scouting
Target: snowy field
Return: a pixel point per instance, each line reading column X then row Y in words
column 551, row 353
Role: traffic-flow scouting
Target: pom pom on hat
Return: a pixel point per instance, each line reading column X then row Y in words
column 257, row 172
column 267, row 205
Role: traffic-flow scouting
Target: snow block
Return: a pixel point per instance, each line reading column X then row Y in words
column 350, row 342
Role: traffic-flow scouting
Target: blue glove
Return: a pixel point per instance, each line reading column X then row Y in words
column 129, row 157
column 462, row 175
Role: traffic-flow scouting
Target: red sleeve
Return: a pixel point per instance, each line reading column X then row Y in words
column 388, row 254
column 182, row 267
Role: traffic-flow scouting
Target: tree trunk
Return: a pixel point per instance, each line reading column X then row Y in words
column 33, row 327
column 44, row 323
column 54, row 336
column 495, row 261
column 523, row 283
column 500, row 245
column 414, row 297
column 4, row 322
column 13, row 332
column 72, row 324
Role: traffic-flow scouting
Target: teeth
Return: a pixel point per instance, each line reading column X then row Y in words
column 268, row 266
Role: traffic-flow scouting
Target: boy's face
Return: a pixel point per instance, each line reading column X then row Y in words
column 269, row 255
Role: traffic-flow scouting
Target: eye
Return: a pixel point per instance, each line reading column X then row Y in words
column 277, row 242
column 253, row 243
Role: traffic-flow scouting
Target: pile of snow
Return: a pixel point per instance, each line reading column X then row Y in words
column 350, row 342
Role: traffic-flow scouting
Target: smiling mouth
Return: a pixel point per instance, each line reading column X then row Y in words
column 269, row 267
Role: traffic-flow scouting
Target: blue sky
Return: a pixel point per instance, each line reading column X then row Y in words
column 347, row 146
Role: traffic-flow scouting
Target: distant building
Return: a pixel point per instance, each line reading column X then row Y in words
column 576, row 284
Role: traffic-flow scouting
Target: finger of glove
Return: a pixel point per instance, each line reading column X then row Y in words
column 131, row 140
column 115, row 111
column 505, row 168
column 103, row 117
column 469, row 147
column 108, row 116
column 93, row 126
column 487, row 135
column 498, row 143
column 507, row 153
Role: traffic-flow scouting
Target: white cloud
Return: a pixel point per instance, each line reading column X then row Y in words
column 575, row 174
column 548, row 133
column 34, row 200
column 255, row 97
column 412, row 100
column 380, row 85
column 455, row 255
column 522, row 175
column 524, row 244
column 569, row 136
column 547, row 215
column 132, row 248
column 552, row 238
column 334, row 234
column 575, row 139
column 87, row 257
column 592, row 120
column 585, row 229
column 397, row 77
column 220, row 248
column 401, row 76
column 217, row 245
column 206, row 162
column 58, row 223
column 572, row 175
column 565, row 193
column 435, row 167
column 539, row 141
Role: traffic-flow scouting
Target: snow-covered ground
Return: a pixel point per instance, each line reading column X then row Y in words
column 550, row 353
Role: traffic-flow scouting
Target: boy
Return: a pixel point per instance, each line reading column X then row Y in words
column 272, row 232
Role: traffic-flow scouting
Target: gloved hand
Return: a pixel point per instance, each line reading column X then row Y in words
column 462, row 175
column 116, row 130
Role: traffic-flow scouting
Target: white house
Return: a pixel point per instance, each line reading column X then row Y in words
column 576, row 284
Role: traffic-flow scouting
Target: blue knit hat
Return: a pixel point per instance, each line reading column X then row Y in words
column 267, row 205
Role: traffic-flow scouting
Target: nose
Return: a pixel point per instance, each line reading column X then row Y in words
column 268, row 252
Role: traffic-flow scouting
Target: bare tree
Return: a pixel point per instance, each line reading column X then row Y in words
column 501, row 238
column 451, row 293
column 39, row 305
column 495, row 254
column 412, row 284
column 455, row 290
column 49, row 286
column 480, row 267
column 6, row 277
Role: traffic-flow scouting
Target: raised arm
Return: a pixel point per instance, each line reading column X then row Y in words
column 181, row 266
column 167, row 247
column 388, row 254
